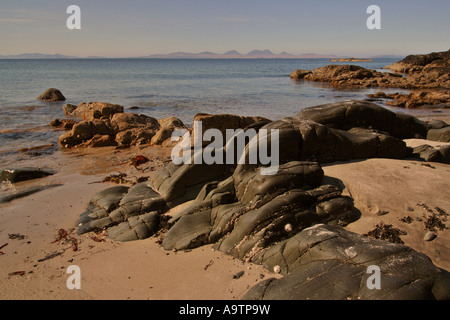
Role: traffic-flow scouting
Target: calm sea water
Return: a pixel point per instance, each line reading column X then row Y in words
column 159, row 87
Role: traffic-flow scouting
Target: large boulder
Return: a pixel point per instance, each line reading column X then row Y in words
column 329, row 263
column 353, row 113
column 51, row 94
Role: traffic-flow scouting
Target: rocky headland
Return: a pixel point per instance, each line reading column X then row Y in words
column 427, row 75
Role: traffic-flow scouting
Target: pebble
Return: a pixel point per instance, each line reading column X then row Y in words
column 429, row 236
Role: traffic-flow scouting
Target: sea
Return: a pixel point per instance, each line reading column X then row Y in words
column 155, row 87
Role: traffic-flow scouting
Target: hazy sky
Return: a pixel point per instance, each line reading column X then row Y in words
column 136, row 28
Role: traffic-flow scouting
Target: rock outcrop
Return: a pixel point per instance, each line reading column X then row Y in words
column 415, row 99
column 422, row 71
column 119, row 129
column 324, row 262
column 289, row 221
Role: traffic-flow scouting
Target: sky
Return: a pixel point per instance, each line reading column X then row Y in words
column 143, row 27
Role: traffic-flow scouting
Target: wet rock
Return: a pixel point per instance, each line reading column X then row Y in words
column 52, row 94
column 66, row 124
column 14, row 175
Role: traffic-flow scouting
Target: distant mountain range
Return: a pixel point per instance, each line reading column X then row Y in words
column 232, row 54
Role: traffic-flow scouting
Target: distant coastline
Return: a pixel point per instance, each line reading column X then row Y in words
column 351, row 60
column 232, row 54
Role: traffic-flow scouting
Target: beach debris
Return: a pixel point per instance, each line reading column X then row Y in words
column 238, row 275
column 436, row 219
column 17, row 273
column 386, row 232
column 63, row 234
column 17, row 236
column 211, row 262
column 407, row 219
column 138, row 160
column 51, row 255
column 1, row 252
column 277, row 269
column 98, row 238
column 117, row 178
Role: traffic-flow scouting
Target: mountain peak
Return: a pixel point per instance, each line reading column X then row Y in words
column 260, row 53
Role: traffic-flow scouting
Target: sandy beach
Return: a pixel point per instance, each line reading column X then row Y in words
column 136, row 270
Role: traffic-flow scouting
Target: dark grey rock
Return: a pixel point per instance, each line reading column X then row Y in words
column 14, row 175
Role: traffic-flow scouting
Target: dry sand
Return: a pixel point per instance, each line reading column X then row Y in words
column 109, row 270
column 142, row 270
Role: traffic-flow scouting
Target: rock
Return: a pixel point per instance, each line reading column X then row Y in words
column 66, row 124
column 437, row 124
column 26, row 192
column 14, row 175
column 340, row 259
column 166, row 127
column 429, row 236
column 222, row 122
column 123, row 129
column 52, row 94
column 362, row 114
column 299, row 74
column 416, row 63
column 93, row 110
column 129, row 213
column 442, row 135
column 420, row 99
column 68, row 109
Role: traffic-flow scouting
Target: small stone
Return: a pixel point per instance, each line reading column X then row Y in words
column 429, row 236
column 288, row 228
column 238, row 275
column 277, row 269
